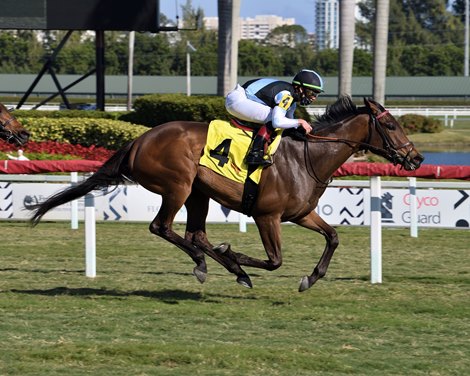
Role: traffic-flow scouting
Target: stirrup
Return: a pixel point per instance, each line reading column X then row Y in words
column 257, row 159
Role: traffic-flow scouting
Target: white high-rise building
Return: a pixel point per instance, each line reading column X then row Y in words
column 327, row 24
column 253, row 28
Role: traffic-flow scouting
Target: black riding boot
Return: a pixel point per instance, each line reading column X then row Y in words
column 256, row 154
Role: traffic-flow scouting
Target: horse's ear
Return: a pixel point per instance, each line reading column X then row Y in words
column 373, row 106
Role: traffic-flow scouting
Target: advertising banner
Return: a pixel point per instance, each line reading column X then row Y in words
column 338, row 206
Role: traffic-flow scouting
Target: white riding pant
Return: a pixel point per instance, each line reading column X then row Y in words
column 239, row 106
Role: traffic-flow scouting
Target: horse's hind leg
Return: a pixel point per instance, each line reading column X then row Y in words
column 269, row 228
column 197, row 206
column 314, row 222
column 162, row 226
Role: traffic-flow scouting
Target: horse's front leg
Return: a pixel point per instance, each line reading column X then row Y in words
column 269, row 228
column 314, row 222
column 197, row 206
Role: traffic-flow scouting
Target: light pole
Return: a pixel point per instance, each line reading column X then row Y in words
column 466, row 57
column 130, row 70
column 189, row 49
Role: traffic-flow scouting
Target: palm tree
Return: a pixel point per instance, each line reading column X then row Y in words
column 346, row 45
column 229, row 18
column 380, row 50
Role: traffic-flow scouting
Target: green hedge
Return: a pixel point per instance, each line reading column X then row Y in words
column 152, row 110
column 111, row 134
column 99, row 128
column 413, row 123
column 115, row 115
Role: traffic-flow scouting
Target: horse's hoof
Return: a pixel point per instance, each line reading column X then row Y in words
column 304, row 284
column 221, row 248
column 200, row 275
column 245, row 282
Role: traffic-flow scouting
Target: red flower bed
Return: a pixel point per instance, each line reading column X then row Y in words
column 96, row 153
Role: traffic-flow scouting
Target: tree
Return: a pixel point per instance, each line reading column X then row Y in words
column 287, row 36
column 256, row 60
column 346, row 46
column 19, row 50
column 363, row 63
column 152, row 54
column 229, row 14
column 414, row 24
column 380, row 50
column 326, row 62
column 204, row 59
column 458, row 9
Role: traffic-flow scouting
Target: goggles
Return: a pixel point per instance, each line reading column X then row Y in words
column 312, row 93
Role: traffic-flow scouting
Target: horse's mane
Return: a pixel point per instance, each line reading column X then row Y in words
column 336, row 112
column 332, row 117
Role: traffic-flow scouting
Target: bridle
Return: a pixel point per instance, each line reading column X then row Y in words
column 9, row 135
column 388, row 150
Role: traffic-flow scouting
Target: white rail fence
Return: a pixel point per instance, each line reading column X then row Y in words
column 449, row 115
column 375, row 206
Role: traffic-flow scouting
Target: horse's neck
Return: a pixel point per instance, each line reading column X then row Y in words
column 326, row 156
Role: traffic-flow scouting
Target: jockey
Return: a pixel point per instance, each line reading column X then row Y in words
column 272, row 103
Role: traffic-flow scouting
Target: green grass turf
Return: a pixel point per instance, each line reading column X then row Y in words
column 145, row 314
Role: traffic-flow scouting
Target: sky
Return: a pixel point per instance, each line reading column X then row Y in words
column 302, row 10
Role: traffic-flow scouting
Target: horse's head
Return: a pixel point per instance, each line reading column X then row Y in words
column 11, row 129
column 389, row 139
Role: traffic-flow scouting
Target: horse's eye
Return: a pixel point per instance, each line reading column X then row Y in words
column 390, row 126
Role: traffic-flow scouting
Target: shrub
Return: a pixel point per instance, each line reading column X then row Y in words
column 432, row 125
column 413, row 123
column 152, row 110
column 69, row 114
column 110, row 134
column 155, row 109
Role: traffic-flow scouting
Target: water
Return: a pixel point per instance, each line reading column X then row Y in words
column 453, row 158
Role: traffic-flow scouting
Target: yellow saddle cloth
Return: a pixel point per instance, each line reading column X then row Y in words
column 226, row 149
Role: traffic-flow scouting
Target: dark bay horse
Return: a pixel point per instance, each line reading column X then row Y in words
column 165, row 159
column 10, row 128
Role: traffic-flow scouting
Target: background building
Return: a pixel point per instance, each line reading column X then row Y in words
column 327, row 24
column 253, row 28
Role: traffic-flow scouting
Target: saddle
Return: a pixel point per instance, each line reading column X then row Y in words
column 269, row 136
column 226, row 147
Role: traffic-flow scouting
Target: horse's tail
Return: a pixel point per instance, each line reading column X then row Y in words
column 112, row 172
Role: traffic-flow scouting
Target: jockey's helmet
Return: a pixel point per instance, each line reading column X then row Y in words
column 312, row 85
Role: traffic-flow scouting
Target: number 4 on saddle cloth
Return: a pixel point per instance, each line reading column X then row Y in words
column 225, row 151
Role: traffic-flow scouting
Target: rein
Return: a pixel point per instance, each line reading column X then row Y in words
column 388, row 150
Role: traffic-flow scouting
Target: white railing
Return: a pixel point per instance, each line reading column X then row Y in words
column 448, row 114
column 55, row 107
column 374, row 183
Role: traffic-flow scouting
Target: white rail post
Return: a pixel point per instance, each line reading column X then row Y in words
column 242, row 222
column 375, row 230
column 413, row 209
column 74, row 203
column 90, row 236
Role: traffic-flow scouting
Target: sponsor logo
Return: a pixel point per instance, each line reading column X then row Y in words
column 423, row 218
column 425, row 201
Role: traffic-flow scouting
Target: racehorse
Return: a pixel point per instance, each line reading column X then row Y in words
column 165, row 159
column 10, row 128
